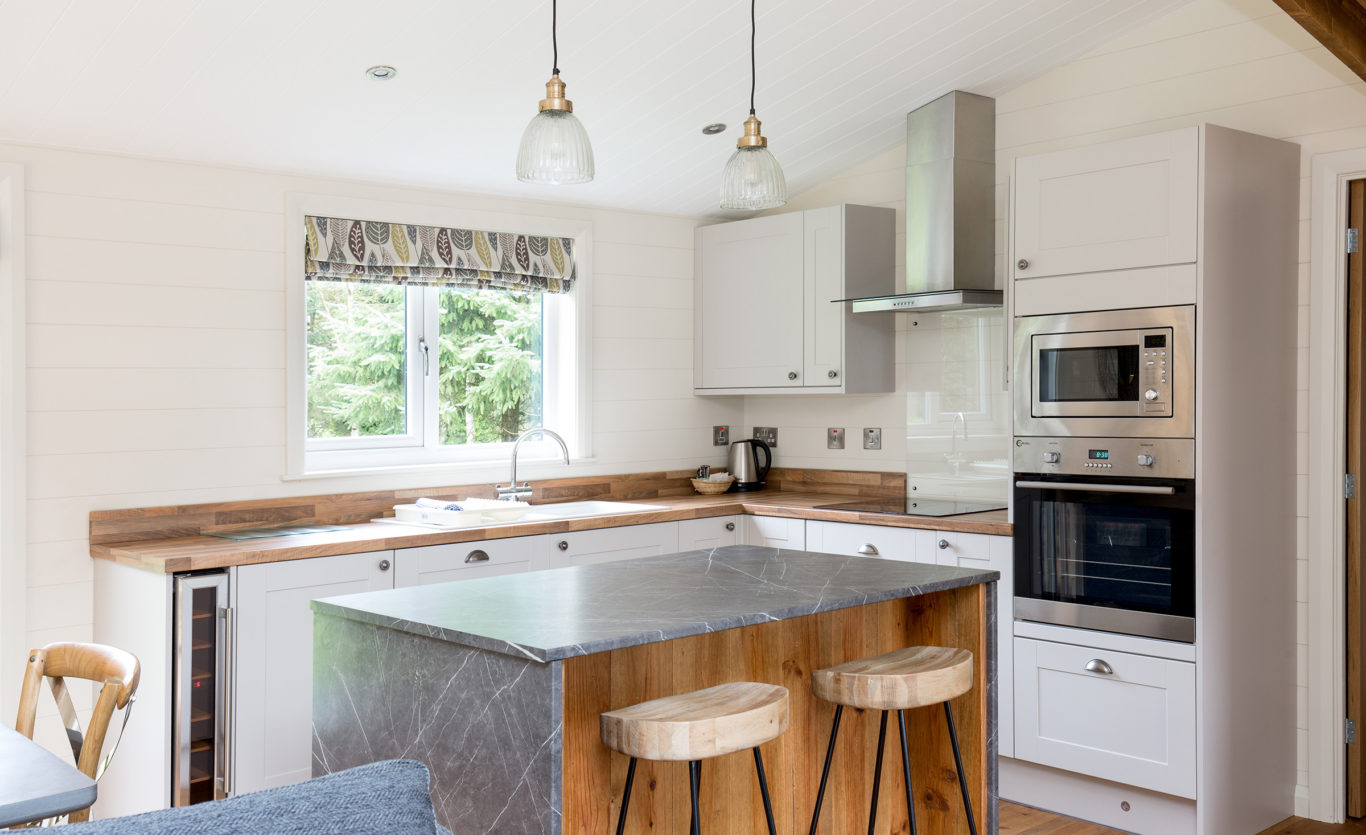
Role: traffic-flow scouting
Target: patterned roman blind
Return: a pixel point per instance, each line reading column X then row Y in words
column 337, row 249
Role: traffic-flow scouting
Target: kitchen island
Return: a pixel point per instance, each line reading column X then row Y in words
column 497, row 684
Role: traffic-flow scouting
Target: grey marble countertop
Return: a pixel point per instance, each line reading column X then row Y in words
column 564, row 612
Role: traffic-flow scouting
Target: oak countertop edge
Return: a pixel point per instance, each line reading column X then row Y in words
column 195, row 553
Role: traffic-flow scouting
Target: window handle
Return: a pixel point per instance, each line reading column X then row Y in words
column 426, row 356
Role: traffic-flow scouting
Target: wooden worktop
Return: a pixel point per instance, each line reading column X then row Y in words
column 192, row 553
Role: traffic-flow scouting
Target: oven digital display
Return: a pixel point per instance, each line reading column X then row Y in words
column 1098, row 454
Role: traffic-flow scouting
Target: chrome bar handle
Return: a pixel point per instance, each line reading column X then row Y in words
column 225, row 702
column 1098, row 665
column 1149, row 489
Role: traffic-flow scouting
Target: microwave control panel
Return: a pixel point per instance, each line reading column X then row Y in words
column 1154, row 373
column 1112, row 457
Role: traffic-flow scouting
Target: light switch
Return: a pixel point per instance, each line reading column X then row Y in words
column 834, row 438
column 872, row 438
column 720, row 435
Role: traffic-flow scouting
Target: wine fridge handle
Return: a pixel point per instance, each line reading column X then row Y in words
column 225, row 703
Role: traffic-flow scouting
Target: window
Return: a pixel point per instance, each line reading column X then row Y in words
column 434, row 359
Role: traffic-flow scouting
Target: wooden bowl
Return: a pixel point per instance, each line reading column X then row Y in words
column 709, row 488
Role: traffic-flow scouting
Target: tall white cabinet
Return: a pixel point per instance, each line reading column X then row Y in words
column 1157, row 736
column 765, row 317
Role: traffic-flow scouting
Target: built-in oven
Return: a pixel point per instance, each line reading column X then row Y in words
column 1127, row 373
column 1105, row 534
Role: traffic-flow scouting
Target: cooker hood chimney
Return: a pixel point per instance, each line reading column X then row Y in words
column 950, row 208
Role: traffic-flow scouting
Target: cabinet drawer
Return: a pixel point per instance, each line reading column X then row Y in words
column 717, row 532
column 775, row 532
column 468, row 560
column 1134, row 725
column 612, row 544
column 865, row 540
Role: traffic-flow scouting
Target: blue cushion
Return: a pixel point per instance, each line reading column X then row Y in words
column 383, row 797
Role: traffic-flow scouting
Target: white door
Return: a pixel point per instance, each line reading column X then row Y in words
column 775, row 532
column 823, row 282
column 613, row 544
column 750, row 303
column 1115, row 206
column 273, row 660
column 995, row 553
column 469, row 560
column 705, row 534
column 1112, row 715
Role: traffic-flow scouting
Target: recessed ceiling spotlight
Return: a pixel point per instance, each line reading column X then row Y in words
column 714, row 128
column 381, row 73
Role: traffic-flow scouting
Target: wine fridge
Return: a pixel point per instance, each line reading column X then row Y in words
column 200, row 688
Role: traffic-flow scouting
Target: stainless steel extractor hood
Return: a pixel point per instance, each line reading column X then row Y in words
column 950, row 208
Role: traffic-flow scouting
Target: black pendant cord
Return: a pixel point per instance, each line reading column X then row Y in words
column 554, row 37
column 752, row 28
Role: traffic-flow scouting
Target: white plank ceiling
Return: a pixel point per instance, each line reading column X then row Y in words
column 280, row 84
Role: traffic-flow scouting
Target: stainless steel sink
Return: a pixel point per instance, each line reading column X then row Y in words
column 580, row 510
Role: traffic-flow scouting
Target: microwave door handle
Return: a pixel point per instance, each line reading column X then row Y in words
column 1099, row 488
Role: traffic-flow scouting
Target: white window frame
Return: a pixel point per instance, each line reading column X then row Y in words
column 568, row 328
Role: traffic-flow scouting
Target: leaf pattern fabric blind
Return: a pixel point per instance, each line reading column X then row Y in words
column 338, row 249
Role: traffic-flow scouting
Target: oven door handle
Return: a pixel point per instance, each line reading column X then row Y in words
column 1099, row 488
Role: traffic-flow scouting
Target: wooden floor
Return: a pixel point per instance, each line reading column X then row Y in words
column 1022, row 820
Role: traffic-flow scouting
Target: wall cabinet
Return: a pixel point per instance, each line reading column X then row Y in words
column 272, row 699
column 714, row 532
column 775, row 532
column 1117, row 206
column 1114, row 715
column 613, row 544
column 764, row 321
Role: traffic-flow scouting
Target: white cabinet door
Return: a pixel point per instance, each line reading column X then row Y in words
column 715, row 532
column 995, row 553
column 822, row 282
column 775, row 532
column 273, row 660
column 468, row 560
column 613, row 544
column 749, row 303
column 1115, row 206
column 1112, row 715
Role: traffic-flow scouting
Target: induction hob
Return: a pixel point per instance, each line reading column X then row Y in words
column 914, row 507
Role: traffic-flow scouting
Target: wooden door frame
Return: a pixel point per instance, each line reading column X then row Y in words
column 1326, row 674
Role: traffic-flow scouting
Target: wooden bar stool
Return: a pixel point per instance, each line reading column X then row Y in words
column 899, row 680
column 694, row 726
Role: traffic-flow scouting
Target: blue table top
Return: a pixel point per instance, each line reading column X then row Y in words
column 35, row 783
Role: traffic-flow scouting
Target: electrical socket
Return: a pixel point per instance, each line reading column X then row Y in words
column 872, row 438
column 767, row 434
column 720, row 435
column 834, row 438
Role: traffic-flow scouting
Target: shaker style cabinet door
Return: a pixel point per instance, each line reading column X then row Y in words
column 705, row 534
column 613, row 544
column 1116, row 206
column 823, row 282
column 749, row 307
column 272, row 725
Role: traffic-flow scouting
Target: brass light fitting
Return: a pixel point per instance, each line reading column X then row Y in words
column 752, row 137
column 554, row 96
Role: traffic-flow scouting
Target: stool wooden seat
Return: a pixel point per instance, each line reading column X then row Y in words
column 694, row 726
column 899, row 680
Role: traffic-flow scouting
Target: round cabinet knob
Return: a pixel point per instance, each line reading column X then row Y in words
column 1145, row 460
column 1150, row 394
column 791, row 375
column 943, row 543
column 563, row 546
column 383, row 565
column 868, row 549
column 1022, row 264
column 477, row 555
column 730, row 526
column 832, row 373
column 1051, row 457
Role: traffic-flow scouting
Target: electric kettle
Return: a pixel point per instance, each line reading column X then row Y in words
column 744, row 465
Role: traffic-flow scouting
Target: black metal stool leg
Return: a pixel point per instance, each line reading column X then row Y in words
column 825, row 773
column 877, row 772
column 906, row 769
column 763, row 790
column 695, row 778
column 626, row 795
column 958, row 761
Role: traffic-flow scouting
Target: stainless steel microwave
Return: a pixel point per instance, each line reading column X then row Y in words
column 1116, row 373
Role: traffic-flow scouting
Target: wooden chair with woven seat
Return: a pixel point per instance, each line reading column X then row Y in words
column 115, row 669
column 899, row 680
column 691, row 727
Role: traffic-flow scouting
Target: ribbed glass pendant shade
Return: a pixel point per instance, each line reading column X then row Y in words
column 555, row 149
column 753, row 180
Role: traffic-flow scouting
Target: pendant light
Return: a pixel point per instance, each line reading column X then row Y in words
column 555, row 146
column 752, row 179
